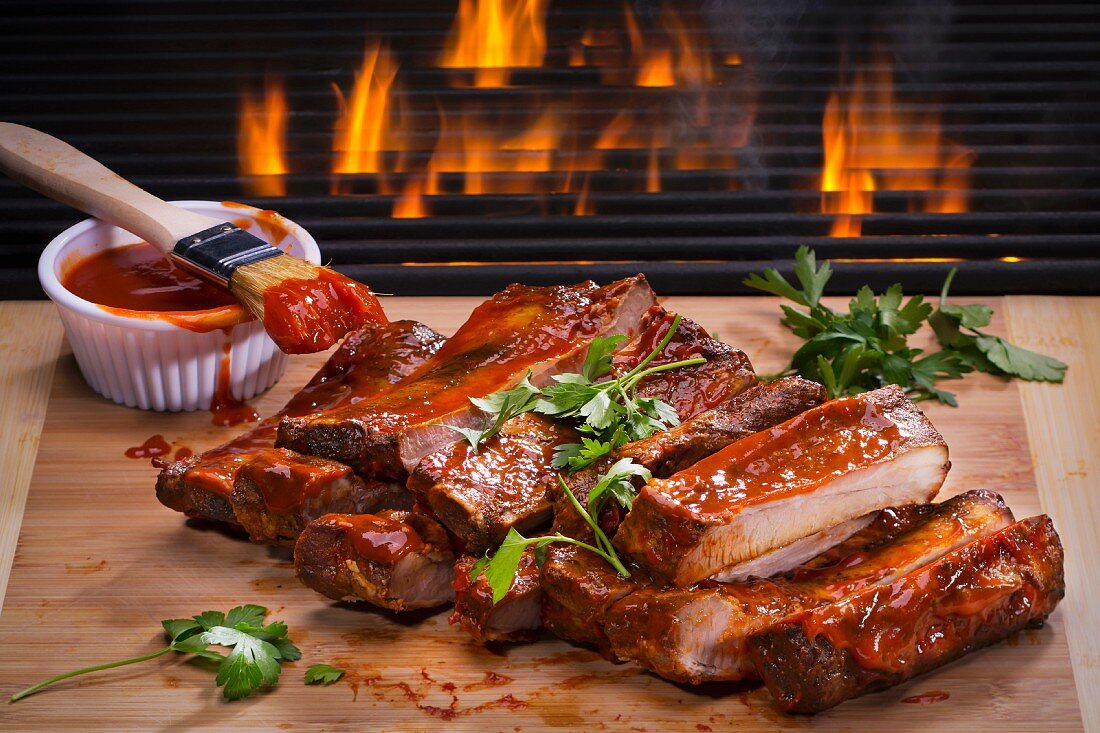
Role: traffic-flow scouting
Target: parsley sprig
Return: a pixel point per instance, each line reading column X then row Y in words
column 256, row 650
column 500, row 567
column 867, row 347
column 608, row 413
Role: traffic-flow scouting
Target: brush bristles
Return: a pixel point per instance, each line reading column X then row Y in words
column 250, row 281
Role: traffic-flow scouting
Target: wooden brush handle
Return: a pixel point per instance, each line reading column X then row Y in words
column 63, row 173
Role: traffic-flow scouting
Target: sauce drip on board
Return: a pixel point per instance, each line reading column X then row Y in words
column 927, row 698
column 305, row 316
column 153, row 446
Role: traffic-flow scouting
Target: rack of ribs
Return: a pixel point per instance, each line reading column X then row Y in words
column 480, row 495
column 833, row 463
column 891, row 632
column 393, row 559
column 368, row 362
column 700, row 634
column 521, row 330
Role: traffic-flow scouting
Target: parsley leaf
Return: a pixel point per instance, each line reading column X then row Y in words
column 500, row 568
column 256, row 651
column 503, row 406
column 323, row 674
column 867, row 347
column 609, row 412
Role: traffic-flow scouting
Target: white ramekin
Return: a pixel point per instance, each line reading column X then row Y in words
column 140, row 360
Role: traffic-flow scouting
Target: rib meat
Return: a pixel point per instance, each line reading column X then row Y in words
column 516, row 617
column 759, row 407
column 479, row 496
column 833, row 463
column 368, row 362
column 278, row 492
column 520, row 330
column 700, row 634
column 973, row 597
column 393, row 559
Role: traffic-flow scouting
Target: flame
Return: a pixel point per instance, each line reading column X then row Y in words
column 364, row 128
column 871, row 143
column 584, row 207
column 494, row 36
column 261, row 141
column 678, row 61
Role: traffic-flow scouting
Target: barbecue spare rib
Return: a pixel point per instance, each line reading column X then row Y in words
column 833, row 463
column 521, row 330
column 368, row 362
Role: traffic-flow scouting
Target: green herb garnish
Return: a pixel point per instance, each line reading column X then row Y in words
column 608, row 413
column 500, row 567
column 867, row 347
column 323, row 674
column 256, row 651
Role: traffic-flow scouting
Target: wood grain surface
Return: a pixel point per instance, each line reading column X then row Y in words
column 100, row 562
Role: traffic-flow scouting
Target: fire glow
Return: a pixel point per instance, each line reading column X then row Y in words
column 493, row 36
column 872, row 144
column 570, row 149
column 261, row 141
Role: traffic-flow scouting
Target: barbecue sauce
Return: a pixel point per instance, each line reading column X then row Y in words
column 287, row 480
column 139, row 277
column 379, row 539
column 225, row 409
column 304, row 316
column 792, row 458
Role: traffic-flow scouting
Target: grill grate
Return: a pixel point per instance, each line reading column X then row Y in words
column 153, row 90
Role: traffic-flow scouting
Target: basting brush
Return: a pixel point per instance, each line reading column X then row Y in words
column 304, row 308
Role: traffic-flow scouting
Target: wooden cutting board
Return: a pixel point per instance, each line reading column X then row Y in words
column 99, row 562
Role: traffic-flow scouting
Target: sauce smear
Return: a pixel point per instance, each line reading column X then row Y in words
column 304, row 316
column 927, row 698
column 138, row 277
column 154, row 446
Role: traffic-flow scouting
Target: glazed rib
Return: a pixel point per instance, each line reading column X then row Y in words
column 700, row 634
column 278, row 492
column 520, row 330
column 368, row 362
column 516, row 617
column 479, row 496
column 759, row 407
column 393, row 559
column 973, row 597
column 833, row 463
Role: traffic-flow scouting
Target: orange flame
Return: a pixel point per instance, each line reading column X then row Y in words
column 679, row 62
column 261, row 141
column 871, row 143
column 494, row 36
column 364, row 128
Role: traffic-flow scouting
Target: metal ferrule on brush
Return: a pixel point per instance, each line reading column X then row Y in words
column 215, row 253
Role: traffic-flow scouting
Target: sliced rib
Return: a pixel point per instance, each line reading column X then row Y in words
column 832, row 463
column 278, row 492
column 480, row 495
column 368, row 362
column 700, row 634
column 971, row 598
column 522, row 329
column 759, row 407
column 393, row 559
column 516, row 617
